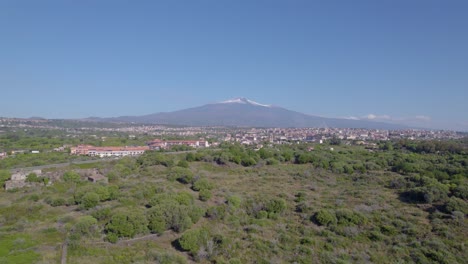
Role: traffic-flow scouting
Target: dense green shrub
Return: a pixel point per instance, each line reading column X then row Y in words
column 127, row 224
column 71, row 176
column 86, row 225
column 348, row 217
column 202, row 184
column 456, row 204
column 193, row 239
column 461, row 191
column 150, row 158
column 57, row 201
column 184, row 198
column 180, row 174
column 183, row 164
column 156, row 220
column 216, row 212
column 205, row 195
column 102, row 213
column 89, row 200
column 233, row 201
column 324, row 217
column 196, row 213
column 276, row 205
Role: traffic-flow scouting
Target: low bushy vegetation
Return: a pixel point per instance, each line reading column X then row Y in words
column 400, row 202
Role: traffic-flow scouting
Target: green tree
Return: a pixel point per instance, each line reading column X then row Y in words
column 156, row 220
column 193, row 239
column 89, row 200
column 71, row 176
column 86, row 225
column 127, row 224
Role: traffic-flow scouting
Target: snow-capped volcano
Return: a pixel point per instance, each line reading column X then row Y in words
column 246, row 113
column 242, row 100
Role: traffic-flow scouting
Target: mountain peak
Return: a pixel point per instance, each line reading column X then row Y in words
column 243, row 100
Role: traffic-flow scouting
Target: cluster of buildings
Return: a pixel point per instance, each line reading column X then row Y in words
column 107, row 151
column 287, row 135
column 156, row 144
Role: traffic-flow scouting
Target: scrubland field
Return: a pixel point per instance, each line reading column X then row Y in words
column 401, row 202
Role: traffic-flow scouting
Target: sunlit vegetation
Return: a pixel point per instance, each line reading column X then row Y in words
column 402, row 202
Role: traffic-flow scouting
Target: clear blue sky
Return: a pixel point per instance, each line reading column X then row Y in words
column 402, row 61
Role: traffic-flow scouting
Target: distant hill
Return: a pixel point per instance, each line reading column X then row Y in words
column 243, row 112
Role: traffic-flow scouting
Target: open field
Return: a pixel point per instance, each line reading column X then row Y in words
column 204, row 207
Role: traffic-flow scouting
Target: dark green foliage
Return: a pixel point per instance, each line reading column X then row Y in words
column 156, row 220
column 127, row 224
column 335, row 141
column 428, row 194
column 461, row 191
column 173, row 212
column 190, row 157
column 89, row 200
column 87, row 194
column 348, row 169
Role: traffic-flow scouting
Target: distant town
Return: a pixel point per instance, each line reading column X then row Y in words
column 165, row 137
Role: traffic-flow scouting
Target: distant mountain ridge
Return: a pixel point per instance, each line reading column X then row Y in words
column 243, row 112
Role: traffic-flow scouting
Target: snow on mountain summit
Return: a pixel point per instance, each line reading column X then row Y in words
column 242, row 100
